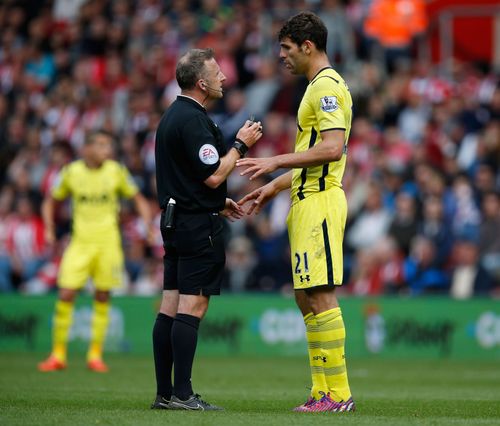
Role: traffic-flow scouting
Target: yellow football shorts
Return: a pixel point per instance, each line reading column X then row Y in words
column 101, row 262
column 316, row 230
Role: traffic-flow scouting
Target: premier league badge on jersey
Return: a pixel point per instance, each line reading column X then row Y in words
column 329, row 103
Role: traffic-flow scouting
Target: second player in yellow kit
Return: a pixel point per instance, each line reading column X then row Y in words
column 95, row 185
column 95, row 250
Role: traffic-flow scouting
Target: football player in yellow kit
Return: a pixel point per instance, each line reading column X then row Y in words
column 318, row 212
column 95, row 184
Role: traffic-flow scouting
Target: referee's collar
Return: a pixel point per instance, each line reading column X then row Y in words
column 191, row 100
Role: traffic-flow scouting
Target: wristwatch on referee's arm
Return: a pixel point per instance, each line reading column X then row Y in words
column 240, row 146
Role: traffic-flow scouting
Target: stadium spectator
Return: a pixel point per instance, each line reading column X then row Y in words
column 236, row 113
column 365, row 279
column 391, row 260
column 6, row 200
column 466, row 215
column 468, row 277
column 436, row 227
column 260, row 93
column 421, row 273
column 372, row 223
column 24, row 240
column 489, row 242
column 395, row 24
column 404, row 224
column 241, row 261
column 340, row 44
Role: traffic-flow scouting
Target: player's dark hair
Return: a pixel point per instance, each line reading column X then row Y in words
column 191, row 67
column 305, row 26
column 90, row 136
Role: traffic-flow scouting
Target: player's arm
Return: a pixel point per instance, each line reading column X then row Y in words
column 59, row 191
column 127, row 188
column 143, row 208
column 330, row 149
column 248, row 134
column 48, row 208
column 262, row 195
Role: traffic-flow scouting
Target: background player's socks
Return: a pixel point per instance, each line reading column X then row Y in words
column 63, row 318
column 184, row 339
column 100, row 321
column 332, row 336
column 162, row 349
column 315, row 357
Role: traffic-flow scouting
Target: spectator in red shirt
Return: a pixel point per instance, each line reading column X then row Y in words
column 25, row 241
column 5, row 221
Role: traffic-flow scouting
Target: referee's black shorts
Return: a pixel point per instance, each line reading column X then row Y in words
column 194, row 254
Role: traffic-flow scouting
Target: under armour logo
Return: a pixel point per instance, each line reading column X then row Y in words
column 305, row 278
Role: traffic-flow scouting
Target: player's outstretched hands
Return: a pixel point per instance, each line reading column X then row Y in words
column 232, row 210
column 250, row 132
column 260, row 197
column 257, row 166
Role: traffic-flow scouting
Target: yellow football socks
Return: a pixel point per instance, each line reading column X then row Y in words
column 315, row 357
column 100, row 321
column 63, row 317
column 331, row 333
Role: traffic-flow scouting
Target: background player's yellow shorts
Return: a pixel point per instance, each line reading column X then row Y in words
column 316, row 230
column 101, row 262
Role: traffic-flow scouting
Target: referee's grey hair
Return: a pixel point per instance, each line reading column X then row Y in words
column 191, row 67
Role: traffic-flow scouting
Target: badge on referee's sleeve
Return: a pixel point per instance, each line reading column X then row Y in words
column 208, row 154
column 329, row 103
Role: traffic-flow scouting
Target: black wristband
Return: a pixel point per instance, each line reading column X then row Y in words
column 241, row 147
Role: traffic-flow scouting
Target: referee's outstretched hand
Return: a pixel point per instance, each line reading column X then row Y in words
column 232, row 210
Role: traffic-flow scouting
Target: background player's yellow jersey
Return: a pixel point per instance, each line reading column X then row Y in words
column 326, row 105
column 95, row 197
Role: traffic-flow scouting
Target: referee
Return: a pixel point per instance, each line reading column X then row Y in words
column 192, row 165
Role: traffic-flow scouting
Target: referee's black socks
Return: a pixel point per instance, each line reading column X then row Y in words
column 163, row 356
column 184, row 339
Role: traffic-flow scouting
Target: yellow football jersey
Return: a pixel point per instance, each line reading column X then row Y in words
column 326, row 105
column 95, row 197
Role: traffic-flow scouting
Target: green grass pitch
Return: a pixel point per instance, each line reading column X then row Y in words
column 253, row 391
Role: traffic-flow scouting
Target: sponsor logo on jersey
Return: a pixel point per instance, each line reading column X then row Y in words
column 329, row 103
column 93, row 198
column 208, row 154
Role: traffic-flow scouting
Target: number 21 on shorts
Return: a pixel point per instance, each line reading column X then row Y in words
column 301, row 263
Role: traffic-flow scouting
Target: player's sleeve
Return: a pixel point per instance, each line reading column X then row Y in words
column 126, row 185
column 327, row 101
column 61, row 187
column 201, row 147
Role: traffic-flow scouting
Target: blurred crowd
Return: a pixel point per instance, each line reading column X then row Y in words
column 422, row 178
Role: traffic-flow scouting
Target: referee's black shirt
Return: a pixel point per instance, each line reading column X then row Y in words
column 188, row 150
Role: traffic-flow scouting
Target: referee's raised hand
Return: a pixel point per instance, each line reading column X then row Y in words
column 250, row 133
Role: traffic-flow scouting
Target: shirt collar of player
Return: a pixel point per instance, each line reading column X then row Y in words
column 189, row 98
column 320, row 71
